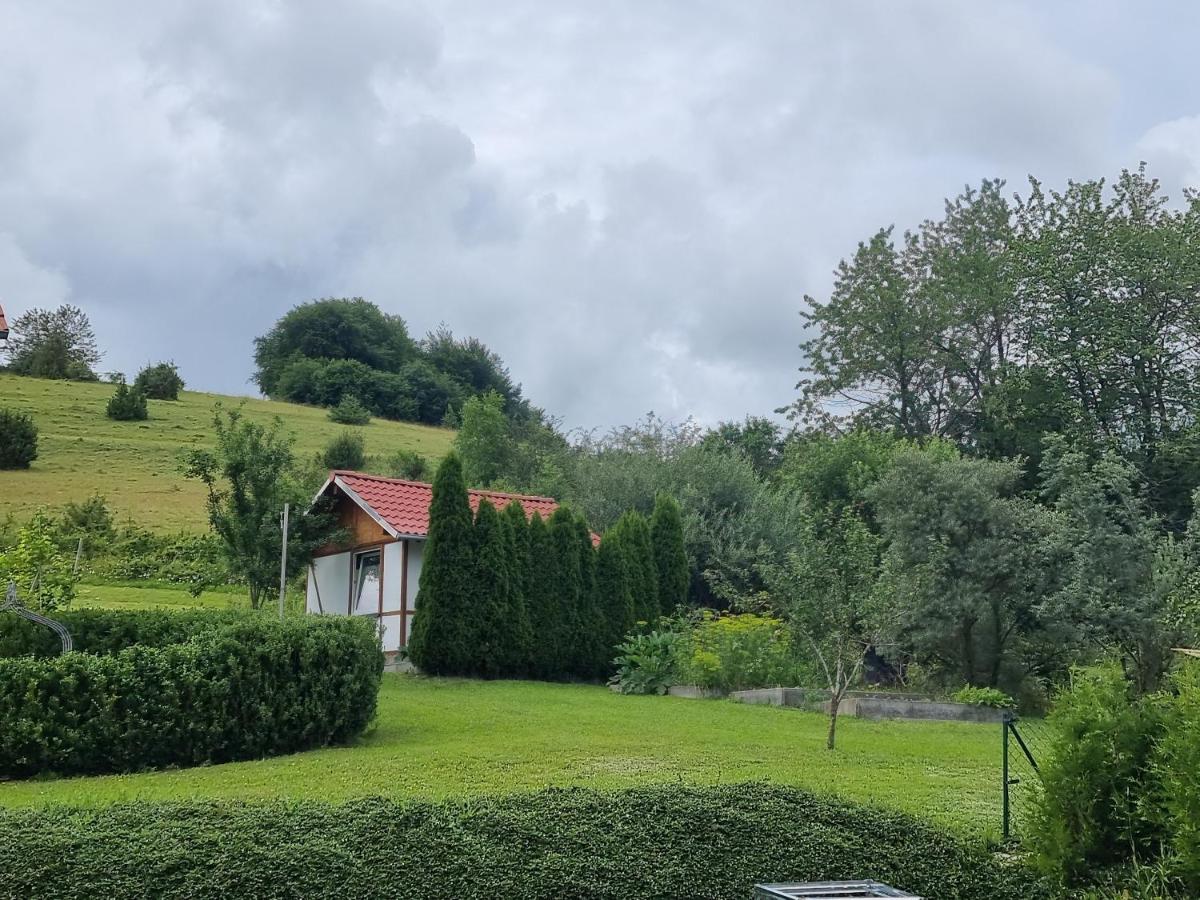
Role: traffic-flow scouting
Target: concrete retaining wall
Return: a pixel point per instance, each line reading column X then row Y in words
column 870, row 704
column 694, row 692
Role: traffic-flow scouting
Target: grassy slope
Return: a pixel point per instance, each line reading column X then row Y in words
column 446, row 737
column 136, row 464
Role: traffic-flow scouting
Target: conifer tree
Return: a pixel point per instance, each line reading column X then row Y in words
column 670, row 558
column 516, row 534
column 491, row 598
column 590, row 654
column 633, row 534
column 441, row 634
column 541, row 599
column 567, row 582
column 613, row 595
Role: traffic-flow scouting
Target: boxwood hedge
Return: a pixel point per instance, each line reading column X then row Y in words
column 107, row 631
column 658, row 842
column 189, row 691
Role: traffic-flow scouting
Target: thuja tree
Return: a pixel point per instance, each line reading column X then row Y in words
column 613, row 595
column 566, row 578
column 491, row 595
column 633, row 534
column 516, row 533
column 591, row 653
column 541, row 599
column 670, row 558
column 440, row 643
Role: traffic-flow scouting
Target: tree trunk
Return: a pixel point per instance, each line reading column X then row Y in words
column 837, row 690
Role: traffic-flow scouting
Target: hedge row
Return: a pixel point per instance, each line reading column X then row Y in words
column 242, row 690
column 660, row 842
column 108, row 631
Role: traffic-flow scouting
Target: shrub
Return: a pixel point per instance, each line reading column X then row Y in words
column 195, row 561
column 247, row 689
column 159, row 382
column 105, row 631
column 1178, row 770
column 407, row 464
column 43, row 574
column 665, row 842
column 18, row 439
column 91, row 520
column 126, row 405
column 734, row 653
column 349, row 411
column 984, row 696
column 647, row 663
column 346, row 451
column 1098, row 778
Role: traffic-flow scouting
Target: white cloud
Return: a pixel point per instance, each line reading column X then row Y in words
column 627, row 200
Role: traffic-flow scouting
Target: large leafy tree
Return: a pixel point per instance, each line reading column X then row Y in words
column 483, row 441
column 332, row 329
column 53, row 343
column 968, row 562
column 249, row 477
column 442, row 631
column 1119, row 571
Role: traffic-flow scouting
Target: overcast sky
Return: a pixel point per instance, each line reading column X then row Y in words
column 627, row 200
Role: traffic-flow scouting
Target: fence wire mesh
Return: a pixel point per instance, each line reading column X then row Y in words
column 1027, row 745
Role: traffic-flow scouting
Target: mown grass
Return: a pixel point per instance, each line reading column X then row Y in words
column 438, row 738
column 136, row 464
column 125, row 596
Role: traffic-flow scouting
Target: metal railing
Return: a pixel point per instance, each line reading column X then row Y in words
column 1026, row 743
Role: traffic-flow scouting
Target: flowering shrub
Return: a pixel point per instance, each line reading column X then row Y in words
column 739, row 652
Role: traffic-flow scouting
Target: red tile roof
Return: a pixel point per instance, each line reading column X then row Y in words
column 3, row 324
column 404, row 505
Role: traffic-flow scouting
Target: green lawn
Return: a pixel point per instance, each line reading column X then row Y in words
column 446, row 737
column 136, row 464
column 111, row 596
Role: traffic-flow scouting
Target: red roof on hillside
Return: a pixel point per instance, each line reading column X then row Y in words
column 3, row 324
column 404, row 505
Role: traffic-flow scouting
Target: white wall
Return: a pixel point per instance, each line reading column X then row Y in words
column 392, row 562
column 332, row 578
column 416, row 551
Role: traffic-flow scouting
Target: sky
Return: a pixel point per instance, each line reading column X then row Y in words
column 628, row 201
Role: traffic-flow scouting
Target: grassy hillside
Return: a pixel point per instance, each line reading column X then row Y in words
column 136, row 464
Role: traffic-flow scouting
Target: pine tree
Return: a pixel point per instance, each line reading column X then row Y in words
column 491, row 598
column 613, row 596
column 590, row 653
column 516, row 534
column 541, row 599
column 670, row 558
column 567, row 581
column 441, row 634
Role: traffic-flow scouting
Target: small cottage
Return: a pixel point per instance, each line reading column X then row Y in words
column 377, row 571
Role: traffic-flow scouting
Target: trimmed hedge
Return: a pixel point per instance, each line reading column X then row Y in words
column 236, row 689
column 109, row 631
column 659, row 842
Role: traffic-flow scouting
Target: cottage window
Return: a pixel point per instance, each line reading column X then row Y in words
column 366, row 582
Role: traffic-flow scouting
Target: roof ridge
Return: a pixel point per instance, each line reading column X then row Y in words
column 426, row 484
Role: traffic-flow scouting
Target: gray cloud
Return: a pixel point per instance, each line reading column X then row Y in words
column 627, row 200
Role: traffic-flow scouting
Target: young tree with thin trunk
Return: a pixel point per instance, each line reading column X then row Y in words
column 828, row 587
column 249, row 477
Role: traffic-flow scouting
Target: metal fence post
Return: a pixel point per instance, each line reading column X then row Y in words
column 1005, row 722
